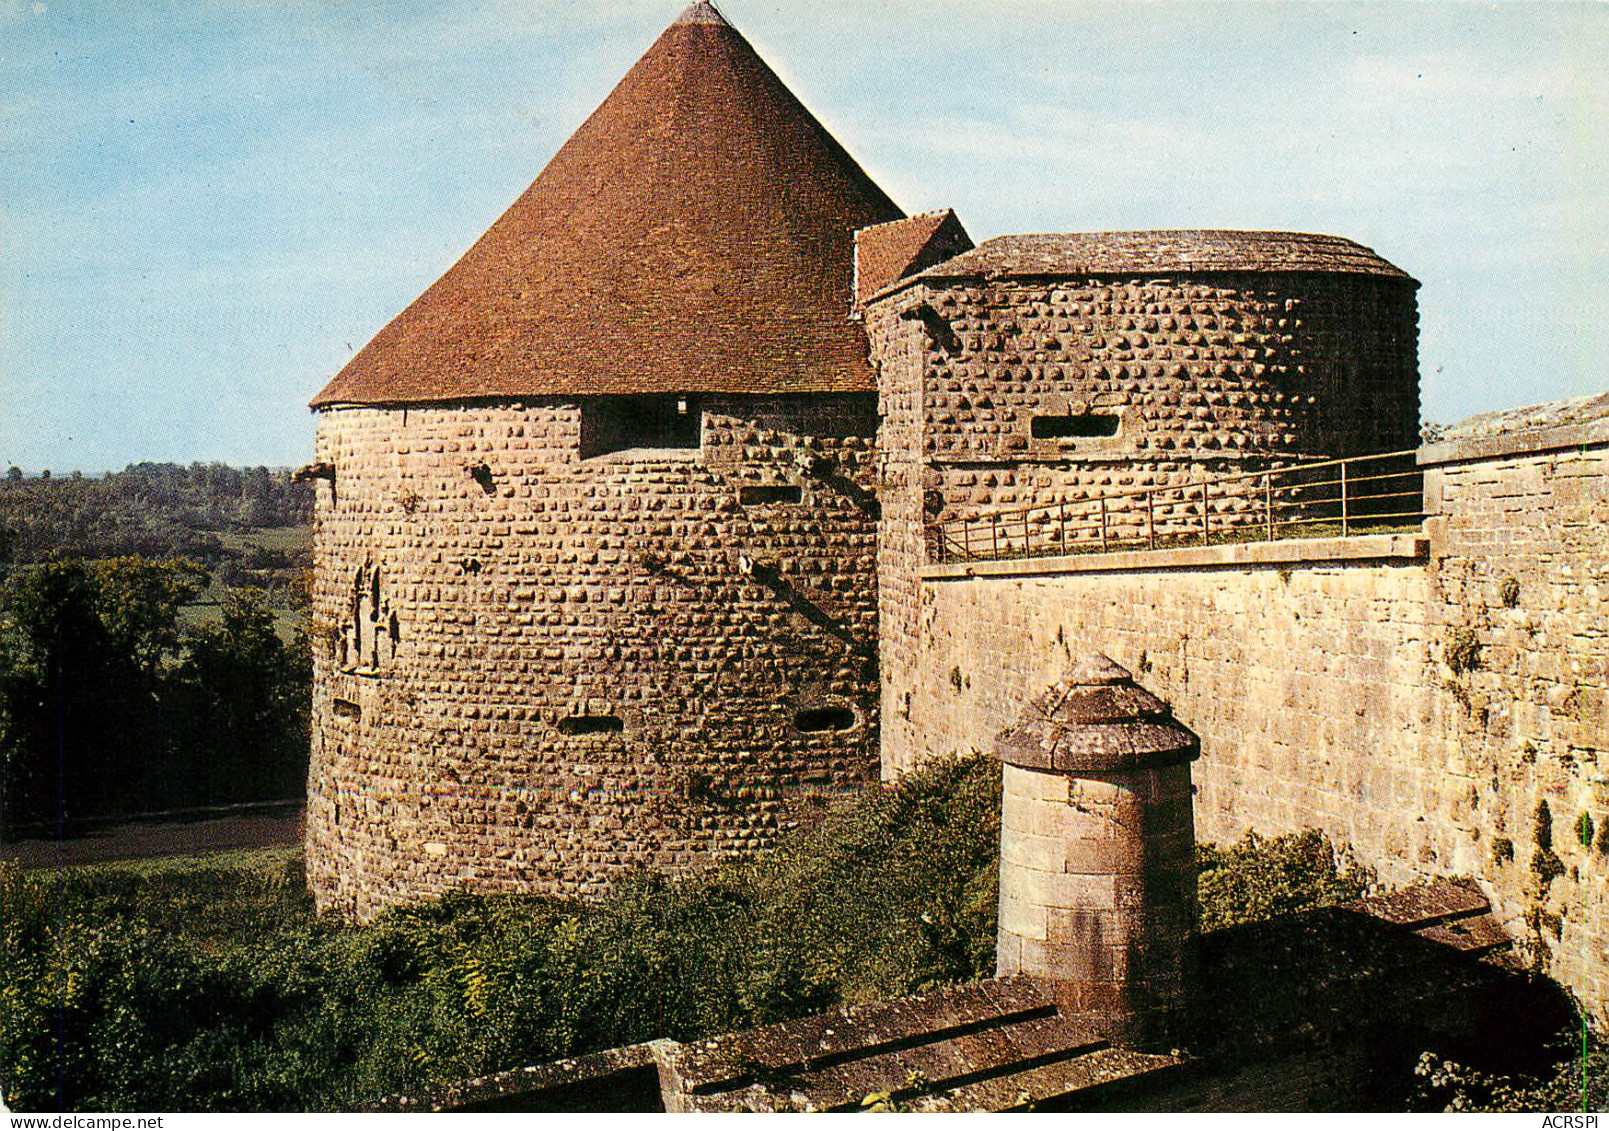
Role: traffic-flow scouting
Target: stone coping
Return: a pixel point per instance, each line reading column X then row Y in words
column 994, row 1045
column 1530, row 441
column 527, row 1081
column 1288, row 551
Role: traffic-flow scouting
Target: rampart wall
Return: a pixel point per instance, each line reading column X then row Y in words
column 1439, row 703
column 536, row 670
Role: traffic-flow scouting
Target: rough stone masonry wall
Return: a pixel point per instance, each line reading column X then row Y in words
column 483, row 594
column 902, row 525
column 1208, row 375
column 1419, row 710
column 1206, row 367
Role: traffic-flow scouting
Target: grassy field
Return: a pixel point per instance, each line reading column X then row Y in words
column 288, row 539
column 290, row 611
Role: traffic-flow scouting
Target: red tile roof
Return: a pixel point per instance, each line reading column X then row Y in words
column 887, row 253
column 1159, row 252
column 694, row 235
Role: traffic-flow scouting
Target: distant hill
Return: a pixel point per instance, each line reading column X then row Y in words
column 249, row 527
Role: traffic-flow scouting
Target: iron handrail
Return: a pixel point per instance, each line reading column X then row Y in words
column 1229, row 507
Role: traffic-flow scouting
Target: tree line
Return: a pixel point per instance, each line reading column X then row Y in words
column 111, row 703
column 152, row 509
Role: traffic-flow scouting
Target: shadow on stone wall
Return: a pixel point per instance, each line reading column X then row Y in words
column 1329, row 1010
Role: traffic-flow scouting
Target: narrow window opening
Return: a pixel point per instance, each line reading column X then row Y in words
column 760, row 495
column 591, row 724
column 1083, row 426
column 346, row 709
column 614, row 424
column 814, row 719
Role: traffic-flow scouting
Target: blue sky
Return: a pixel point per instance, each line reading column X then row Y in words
column 208, row 205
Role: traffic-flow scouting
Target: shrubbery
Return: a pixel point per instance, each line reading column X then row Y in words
column 1579, row 1082
column 213, row 985
column 110, row 704
column 216, row 987
column 1260, row 878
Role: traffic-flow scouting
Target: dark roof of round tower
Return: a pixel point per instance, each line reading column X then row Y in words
column 694, row 235
column 1159, row 252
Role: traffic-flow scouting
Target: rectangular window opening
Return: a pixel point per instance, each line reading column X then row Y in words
column 814, row 719
column 761, row 494
column 346, row 709
column 591, row 724
column 617, row 424
column 1087, row 425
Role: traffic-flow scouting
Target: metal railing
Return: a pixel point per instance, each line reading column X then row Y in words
column 1343, row 497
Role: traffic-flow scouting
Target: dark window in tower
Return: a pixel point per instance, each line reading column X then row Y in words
column 615, row 424
column 1084, row 426
column 813, row 719
column 591, row 724
column 764, row 493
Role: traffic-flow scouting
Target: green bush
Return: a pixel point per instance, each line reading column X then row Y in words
column 1260, row 878
column 183, row 987
column 213, row 985
column 1578, row 1082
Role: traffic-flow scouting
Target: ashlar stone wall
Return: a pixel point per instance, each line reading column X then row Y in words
column 1438, row 704
column 534, row 670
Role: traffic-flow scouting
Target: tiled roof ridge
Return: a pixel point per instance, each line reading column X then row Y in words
column 1221, row 250
column 924, row 214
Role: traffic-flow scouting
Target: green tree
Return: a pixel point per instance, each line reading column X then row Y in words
column 138, row 601
column 86, row 655
column 244, row 701
column 55, row 685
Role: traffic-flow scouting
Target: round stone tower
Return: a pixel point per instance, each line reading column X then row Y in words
column 1097, row 852
column 1056, row 371
column 594, row 553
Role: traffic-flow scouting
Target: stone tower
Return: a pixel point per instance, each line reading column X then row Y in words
column 1057, row 369
column 1097, row 851
column 595, row 539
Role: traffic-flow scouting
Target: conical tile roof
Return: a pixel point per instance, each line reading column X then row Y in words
column 694, row 235
column 1096, row 719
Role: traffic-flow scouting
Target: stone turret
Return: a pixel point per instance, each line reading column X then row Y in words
column 1097, row 851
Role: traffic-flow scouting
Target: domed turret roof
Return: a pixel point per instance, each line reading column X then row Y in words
column 1096, row 719
column 694, row 235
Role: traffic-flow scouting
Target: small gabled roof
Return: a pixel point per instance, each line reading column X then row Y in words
column 887, row 253
column 694, row 235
